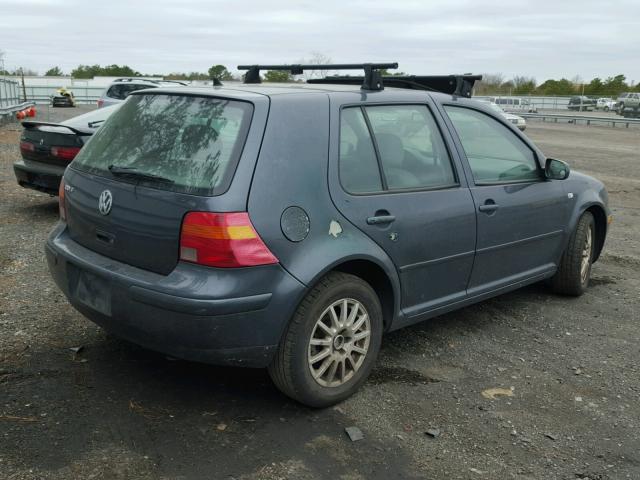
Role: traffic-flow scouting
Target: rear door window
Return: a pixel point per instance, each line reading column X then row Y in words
column 191, row 143
column 359, row 172
column 392, row 147
column 411, row 149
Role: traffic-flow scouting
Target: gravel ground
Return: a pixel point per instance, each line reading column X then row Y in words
column 568, row 370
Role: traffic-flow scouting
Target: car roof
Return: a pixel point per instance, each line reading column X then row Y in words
column 246, row 91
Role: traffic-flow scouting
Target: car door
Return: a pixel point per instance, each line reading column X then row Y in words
column 521, row 215
column 394, row 178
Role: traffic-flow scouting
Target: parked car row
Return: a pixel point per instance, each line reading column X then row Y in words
column 192, row 221
column 627, row 104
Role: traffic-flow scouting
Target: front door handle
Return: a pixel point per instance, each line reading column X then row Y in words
column 380, row 219
column 488, row 207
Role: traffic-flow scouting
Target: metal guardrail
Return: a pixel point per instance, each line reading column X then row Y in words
column 586, row 119
column 15, row 108
column 7, row 114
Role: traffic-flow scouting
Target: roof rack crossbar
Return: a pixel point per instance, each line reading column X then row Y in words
column 457, row 85
column 372, row 79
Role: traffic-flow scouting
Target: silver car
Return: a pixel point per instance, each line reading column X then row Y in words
column 517, row 120
column 121, row 88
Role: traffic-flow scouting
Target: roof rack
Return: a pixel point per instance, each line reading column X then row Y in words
column 459, row 85
column 372, row 79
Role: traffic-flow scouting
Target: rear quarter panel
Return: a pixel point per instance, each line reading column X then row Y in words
column 292, row 171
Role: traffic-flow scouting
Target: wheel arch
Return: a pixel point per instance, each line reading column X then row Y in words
column 600, row 220
column 385, row 284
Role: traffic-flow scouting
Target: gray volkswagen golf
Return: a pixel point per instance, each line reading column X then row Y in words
column 291, row 226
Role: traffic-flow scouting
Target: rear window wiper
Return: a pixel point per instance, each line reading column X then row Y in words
column 134, row 172
column 94, row 123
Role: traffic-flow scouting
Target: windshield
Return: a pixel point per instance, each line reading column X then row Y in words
column 194, row 142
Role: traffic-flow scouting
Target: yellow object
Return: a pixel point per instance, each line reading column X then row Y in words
column 492, row 393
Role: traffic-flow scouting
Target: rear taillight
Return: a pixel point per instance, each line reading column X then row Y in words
column 100, row 103
column 61, row 204
column 27, row 147
column 222, row 240
column 65, row 153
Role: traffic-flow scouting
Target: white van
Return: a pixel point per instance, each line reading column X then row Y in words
column 514, row 104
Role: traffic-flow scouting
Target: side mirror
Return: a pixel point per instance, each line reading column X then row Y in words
column 556, row 169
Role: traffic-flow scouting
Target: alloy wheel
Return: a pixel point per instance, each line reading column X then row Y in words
column 586, row 256
column 339, row 342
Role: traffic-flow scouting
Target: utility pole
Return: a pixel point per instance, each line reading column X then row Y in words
column 24, row 89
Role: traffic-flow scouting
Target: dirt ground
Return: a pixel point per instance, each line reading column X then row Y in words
column 570, row 369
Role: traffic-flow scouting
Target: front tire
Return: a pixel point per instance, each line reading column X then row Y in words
column 331, row 344
column 572, row 277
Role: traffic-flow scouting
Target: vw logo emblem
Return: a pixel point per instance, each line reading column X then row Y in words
column 104, row 202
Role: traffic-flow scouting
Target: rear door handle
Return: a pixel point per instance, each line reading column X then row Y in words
column 380, row 219
column 488, row 207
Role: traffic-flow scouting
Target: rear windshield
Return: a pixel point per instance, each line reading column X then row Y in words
column 192, row 143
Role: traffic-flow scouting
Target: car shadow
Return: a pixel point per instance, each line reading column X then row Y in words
column 190, row 419
column 42, row 205
column 193, row 419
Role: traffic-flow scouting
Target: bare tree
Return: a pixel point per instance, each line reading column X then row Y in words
column 490, row 83
column 316, row 58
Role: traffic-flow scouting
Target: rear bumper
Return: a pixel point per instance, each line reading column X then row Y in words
column 41, row 177
column 219, row 316
column 62, row 102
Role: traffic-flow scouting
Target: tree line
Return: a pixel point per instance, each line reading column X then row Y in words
column 491, row 84
column 496, row 84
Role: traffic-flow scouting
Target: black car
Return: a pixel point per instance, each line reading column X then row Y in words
column 47, row 148
column 582, row 103
column 63, row 98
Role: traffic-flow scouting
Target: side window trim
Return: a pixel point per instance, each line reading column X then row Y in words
column 463, row 153
column 376, row 149
column 385, row 190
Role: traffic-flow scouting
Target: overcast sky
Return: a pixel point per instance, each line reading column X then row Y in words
column 539, row 38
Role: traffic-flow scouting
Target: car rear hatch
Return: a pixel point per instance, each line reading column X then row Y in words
column 50, row 143
column 160, row 156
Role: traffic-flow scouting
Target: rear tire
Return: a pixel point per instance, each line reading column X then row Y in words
column 572, row 277
column 332, row 342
